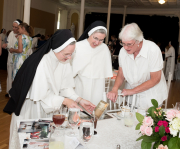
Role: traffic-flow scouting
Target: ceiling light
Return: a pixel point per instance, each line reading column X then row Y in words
column 161, row 1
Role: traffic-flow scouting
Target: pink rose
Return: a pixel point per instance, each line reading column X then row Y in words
column 170, row 114
column 178, row 114
column 160, row 123
column 164, row 138
column 162, row 147
column 142, row 129
column 148, row 131
column 148, row 121
column 156, row 129
column 165, row 124
column 167, row 130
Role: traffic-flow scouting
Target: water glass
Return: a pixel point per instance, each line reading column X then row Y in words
column 57, row 138
column 86, row 131
column 73, row 119
column 129, row 119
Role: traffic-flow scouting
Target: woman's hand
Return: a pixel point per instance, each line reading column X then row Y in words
column 11, row 50
column 87, row 105
column 112, row 95
column 71, row 103
column 4, row 46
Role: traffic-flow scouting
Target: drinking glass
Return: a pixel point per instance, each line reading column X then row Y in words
column 129, row 119
column 87, row 131
column 57, row 139
column 177, row 106
column 73, row 119
column 59, row 116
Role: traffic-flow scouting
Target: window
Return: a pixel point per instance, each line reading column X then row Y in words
column 58, row 20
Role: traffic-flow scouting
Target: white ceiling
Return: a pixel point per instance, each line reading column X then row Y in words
column 121, row 3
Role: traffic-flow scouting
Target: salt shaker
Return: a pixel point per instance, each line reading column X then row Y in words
column 118, row 146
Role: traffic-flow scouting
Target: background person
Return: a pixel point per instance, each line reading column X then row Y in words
column 3, row 35
column 22, row 48
column 170, row 64
column 10, row 44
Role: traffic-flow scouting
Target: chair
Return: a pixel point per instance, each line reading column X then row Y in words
column 107, row 84
column 113, row 107
column 168, row 87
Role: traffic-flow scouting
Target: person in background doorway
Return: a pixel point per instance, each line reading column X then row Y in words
column 11, row 40
column 170, row 64
column 22, row 48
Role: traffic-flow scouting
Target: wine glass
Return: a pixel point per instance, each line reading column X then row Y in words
column 73, row 119
column 59, row 116
column 87, row 131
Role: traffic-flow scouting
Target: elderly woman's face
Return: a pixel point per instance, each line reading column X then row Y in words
column 130, row 46
column 15, row 28
column 66, row 53
column 4, row 32
column 96, row 39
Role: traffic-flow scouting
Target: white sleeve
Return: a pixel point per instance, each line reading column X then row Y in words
column 50, row 101
column 69, row 93
column 41, row 90
column 155, row 59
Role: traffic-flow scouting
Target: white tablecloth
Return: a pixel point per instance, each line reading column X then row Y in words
column 110, row 133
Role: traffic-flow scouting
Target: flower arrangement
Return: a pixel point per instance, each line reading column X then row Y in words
column 160, row 129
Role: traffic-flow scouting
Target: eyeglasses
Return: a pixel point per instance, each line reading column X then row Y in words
column 95, row 38
column 67, row 56
column 128, row 45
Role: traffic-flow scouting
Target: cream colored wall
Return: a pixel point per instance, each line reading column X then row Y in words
column 1, row 13
column 42, row 19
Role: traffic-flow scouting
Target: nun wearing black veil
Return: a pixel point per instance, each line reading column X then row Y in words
column 92, row 63
column 45, row 81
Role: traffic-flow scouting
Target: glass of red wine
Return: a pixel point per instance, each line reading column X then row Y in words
column 59, row 116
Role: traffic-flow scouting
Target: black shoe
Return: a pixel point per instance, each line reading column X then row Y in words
column 7, row 95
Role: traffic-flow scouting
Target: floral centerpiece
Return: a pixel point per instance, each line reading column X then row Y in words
column 160, row 129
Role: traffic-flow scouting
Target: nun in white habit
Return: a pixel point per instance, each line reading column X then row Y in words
column 11, row 40
column 92, row 63
column 170, row 64
column 44, row 82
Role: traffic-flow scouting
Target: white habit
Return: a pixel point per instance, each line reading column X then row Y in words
column 170, row 64
column 11, row 42
column 90, row 68
column 53, row 82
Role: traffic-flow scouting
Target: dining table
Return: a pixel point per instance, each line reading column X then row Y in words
column 110, row 133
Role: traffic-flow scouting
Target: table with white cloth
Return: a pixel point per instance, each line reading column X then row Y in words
column 177, row 73
column 110, row 132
